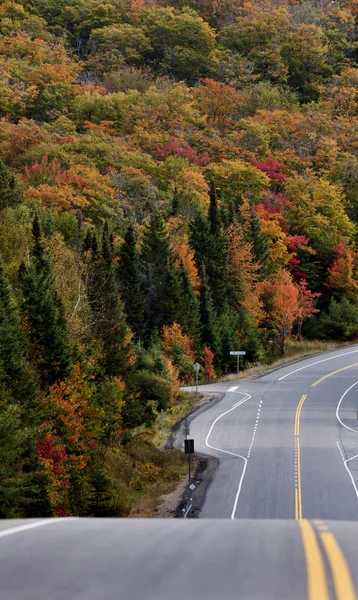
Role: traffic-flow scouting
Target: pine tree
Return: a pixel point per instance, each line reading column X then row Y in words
column 260, row 242
column 209, row 333
column 109, row 323
column 129, row 276
column 228, row 327
column 160, row 281
column 213, row 215
column 175, row 204
column 14, row 369
column 210, row 252
column 45, row 313
column 189, row 318
column 9, row 193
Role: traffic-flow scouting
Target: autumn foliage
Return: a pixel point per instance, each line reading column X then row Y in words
column 176, row 182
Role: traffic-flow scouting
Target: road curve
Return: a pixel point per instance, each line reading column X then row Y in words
column 287, row 442
column 111, row 559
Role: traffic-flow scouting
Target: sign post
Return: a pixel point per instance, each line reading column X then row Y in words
column 196, row 369
column 189, row 449
column 237, row 353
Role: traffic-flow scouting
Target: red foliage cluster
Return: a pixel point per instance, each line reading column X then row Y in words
column 175, row 147
column 271, row 167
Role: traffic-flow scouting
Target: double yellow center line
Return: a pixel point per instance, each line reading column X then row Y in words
column 317, row 588
column 314, row 545
column 298, row 493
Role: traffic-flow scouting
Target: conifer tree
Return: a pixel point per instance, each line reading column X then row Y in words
column 14, row 370
column 129, row 276
column 260, row 242
column 210, row 253
column 109, row 323
column 160, row 281
column 9, row 193
column 45, row 313
column 213, row 215
column 189, row 318
column 209, row 333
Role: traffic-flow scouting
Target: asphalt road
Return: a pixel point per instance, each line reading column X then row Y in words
column 287, row 442
column 99, row 559
column 285, row 489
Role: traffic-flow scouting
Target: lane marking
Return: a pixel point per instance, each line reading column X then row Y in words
column 298, row 414
column 20, row 528
column 316, row 578
column 245, row 399
column 339, row 406
column 298, row 489
column 255, row 429
column 317, row 363
column 333, row 373
column 342, row 579
column 232, row 389
column 345, row 462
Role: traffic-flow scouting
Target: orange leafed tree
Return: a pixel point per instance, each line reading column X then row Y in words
column 342, row 274
column 243, row 271
column 178, row 347
column 67, row 441
column 280, row 298
column 208, row 357
column 306, row 300
column 219, row 102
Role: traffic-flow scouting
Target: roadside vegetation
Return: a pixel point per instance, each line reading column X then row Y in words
column 176, row 181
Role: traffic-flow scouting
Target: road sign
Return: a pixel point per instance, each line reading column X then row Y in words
column 197, row 367
column 237, row 353
column 189, row 446
column 192, row 487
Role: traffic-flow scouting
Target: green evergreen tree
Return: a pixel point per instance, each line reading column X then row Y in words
column 129, row 276
column 228, row 328
column 109, row 323
column 9, row 192
column 12, row 445
column 189, row 309
column 213, row 215
column 210, row 252
column 14, row 368
column 260, row 242
column 160, row 281
column 209, row 333
column 175, row 204
column 249, row 337
column 45, row 314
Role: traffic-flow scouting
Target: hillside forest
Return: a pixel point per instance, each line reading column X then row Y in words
column 176, row 181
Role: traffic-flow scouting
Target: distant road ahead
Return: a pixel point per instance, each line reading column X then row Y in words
column 173, row 559
column 287, row 442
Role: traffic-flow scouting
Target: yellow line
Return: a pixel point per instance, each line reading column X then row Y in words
column 298, row 492
column 298, row 414
column 296, row 504
column 342, row 579
column 333, row 373
column 316, row 578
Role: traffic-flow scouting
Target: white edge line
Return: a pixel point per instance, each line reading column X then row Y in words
column 232, row 389
column 247, row 397
column 317, row 363
column 348, row 469
column 339, row 406
column 20, row 528
column 186, row 512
